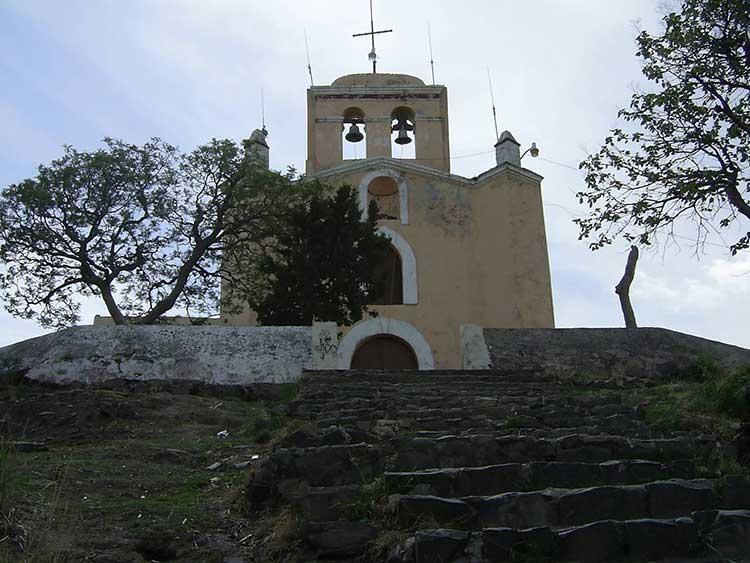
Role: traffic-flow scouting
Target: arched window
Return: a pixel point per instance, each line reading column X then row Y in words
column 384, row 190
column 390, row 276
column 403, row 139
column 354, row 135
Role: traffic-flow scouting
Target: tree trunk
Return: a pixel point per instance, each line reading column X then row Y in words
column 623, row 288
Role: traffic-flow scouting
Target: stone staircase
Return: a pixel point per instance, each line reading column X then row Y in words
column 486, row 466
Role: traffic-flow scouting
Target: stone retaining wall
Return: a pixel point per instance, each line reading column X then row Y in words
column 212, row 354
column 607, row 352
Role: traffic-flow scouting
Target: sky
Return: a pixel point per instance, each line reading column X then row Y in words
column 187, row 71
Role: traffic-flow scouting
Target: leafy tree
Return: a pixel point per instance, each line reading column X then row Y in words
column 322, row 264
column 145, row 228
column 683, row 153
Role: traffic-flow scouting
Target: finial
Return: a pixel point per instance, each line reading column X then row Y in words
column 372, row 56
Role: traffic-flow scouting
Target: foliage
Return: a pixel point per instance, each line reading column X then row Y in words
column 322, row 263
column 684, row 150
column 145, row 228
column 727, row 393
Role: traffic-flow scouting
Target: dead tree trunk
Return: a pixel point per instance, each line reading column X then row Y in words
column 623, row 288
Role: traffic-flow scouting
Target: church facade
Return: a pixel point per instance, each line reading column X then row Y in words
column 465, row 251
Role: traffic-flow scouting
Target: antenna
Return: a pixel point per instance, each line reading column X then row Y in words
column 432, row 62
column 492, row 97
column 309, row 68
column 262, row 109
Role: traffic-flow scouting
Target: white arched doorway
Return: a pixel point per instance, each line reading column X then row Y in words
column 381, row 326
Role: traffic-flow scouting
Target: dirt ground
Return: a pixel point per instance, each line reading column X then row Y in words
column 132, row 472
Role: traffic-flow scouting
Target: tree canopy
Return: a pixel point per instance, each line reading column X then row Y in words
column 322, row 264
column 682, row 154
column 145, row 228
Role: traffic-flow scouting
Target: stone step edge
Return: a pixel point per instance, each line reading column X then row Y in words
column 578, row 542
column 562, row 507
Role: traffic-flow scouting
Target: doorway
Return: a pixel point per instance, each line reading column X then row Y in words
column 384, row 352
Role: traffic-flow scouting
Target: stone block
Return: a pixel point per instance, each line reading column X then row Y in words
column 337, row 539
column 426, row 508
column 735, row 493
column 650, row 540
column 490, row 480
column 519, row 510
column 631, row 472
column 564, row 474
column 507, row 544
column 603, row 503
column 728, row 532
column 439, row 546
column 593, row 543
column 677, row 497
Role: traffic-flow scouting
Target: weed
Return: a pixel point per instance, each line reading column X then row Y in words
column 726, row 393
column 705, row 367
column 287, row 530
column 666, row 416
column 718, row 464
column 370, row 504
column 380, row 549
column 513, row 421
column 8, row 476
column 288, row 392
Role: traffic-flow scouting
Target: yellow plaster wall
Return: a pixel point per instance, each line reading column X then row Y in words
column 481, row 258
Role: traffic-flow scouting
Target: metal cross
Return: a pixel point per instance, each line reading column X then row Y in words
column 372, row 56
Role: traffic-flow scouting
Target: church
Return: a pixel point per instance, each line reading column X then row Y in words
column 465, row 251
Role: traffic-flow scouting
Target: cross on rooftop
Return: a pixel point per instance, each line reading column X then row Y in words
column 372, row 33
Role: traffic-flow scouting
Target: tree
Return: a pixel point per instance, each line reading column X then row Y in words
column 683, row 153
column 322, row 264
column 622, row 289
column 145, row 228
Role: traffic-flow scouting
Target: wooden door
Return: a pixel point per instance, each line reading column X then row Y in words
column 384, row 352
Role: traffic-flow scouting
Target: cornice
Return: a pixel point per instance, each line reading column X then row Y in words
column 420, row 170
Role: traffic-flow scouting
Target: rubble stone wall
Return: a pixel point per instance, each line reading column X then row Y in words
column 607, row 352
column 212, row 354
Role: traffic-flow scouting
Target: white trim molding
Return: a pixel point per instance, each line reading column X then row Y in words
column 403, row 191
column 382, row 325
column 408, row 265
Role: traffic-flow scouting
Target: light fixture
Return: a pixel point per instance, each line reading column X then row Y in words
column 533, row 149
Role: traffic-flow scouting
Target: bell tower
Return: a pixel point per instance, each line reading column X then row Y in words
column 363, row 116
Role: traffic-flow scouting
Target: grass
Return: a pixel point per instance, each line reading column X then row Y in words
column 703, row 397
column 127, row 464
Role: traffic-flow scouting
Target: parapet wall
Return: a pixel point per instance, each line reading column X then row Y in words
column 652, row 353
column 211, row 354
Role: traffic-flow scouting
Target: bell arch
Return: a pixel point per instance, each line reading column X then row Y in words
column 403, row 191
column 408, row 265
column 403, row 134
column 353, row 134
column 382, row 326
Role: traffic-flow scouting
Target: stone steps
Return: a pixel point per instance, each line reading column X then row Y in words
column 510, row 477
column 560, row 508
column 702, row 537
column 481, row 450
column 476, row 467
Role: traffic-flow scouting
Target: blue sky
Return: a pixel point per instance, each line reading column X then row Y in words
column 74, row 72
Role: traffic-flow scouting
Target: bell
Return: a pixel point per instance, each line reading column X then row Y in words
column 403, row 137
column 354, row 135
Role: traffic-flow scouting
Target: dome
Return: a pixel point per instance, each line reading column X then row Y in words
column 378, row 79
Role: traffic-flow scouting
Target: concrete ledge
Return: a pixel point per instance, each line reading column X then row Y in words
column 210, row 354
column 654, row 353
